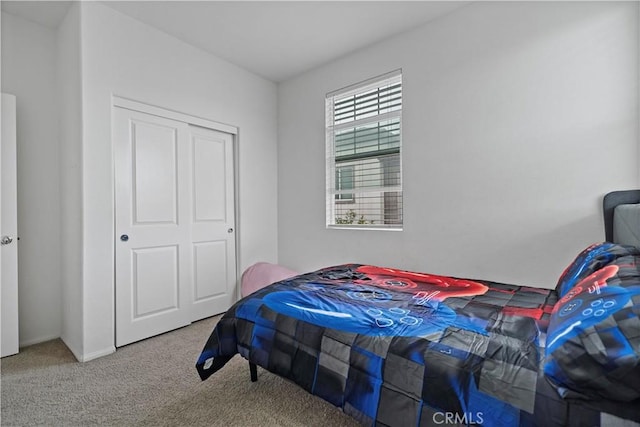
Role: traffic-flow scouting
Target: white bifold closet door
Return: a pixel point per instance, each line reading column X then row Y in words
column 174, row 231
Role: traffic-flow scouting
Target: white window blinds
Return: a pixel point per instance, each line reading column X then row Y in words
column 364, row 168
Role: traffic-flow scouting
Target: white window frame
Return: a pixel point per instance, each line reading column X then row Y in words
column 345, row 197
column 333, row 127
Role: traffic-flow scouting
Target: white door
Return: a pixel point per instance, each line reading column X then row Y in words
column 214, row 244
column 175, row 243
column 9, row 229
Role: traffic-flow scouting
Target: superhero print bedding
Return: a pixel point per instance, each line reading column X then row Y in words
column 398, row 348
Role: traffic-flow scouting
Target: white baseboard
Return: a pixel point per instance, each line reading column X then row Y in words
column 96, row 354
column 39, row 340
column 81, row 357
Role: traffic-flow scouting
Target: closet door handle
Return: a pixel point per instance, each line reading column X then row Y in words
column 124, row 237
column 5, row 240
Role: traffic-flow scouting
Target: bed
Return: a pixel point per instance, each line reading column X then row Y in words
column 399, row 348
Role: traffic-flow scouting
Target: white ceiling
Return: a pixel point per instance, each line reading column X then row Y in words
column 274, row 39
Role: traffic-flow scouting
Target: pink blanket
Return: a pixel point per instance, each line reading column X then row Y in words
column 262, row 274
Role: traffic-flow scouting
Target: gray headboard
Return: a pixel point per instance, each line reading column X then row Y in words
column 622, row 217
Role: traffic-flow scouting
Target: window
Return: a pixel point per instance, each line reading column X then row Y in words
column 364, row 168
column 344, row 181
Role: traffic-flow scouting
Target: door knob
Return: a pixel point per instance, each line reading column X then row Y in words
column 230, row 230
column 5, row 240
column 124, row 237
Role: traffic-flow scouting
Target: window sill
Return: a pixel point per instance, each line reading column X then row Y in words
column 364, row 227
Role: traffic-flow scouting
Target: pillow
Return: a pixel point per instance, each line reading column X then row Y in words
column 590, row 260
column 262, row 274
column 593, row 339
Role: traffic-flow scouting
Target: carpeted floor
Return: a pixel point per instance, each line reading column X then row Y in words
column 151, row 383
